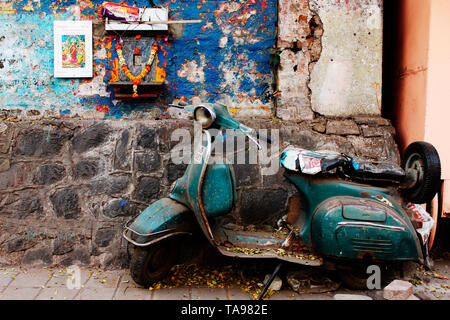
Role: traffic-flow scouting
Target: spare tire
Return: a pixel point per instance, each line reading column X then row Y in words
column 424, row 158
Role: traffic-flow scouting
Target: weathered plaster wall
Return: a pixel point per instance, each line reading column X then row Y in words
column 347, row 78
column 331, row 58
column 224, row 58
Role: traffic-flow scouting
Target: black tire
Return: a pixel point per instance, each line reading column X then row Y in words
column 354, row 279
column 151, row 264
column 423, row 157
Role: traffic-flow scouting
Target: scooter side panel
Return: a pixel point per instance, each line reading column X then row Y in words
column 349, row 227
column 162, row 217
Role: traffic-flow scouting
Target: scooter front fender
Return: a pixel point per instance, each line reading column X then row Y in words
column 162, row 219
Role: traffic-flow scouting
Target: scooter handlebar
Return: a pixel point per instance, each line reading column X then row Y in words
column 252, row 132
column 245, row 129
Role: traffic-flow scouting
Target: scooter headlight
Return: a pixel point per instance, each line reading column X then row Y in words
column 205, row 116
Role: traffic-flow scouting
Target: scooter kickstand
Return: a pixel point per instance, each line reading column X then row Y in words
column 269, row 282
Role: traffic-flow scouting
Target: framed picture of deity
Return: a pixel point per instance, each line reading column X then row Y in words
column 72, row 49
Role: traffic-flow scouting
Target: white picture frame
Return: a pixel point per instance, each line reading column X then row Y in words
column 72, row 43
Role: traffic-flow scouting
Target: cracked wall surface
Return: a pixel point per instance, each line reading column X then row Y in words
column 299, row 39
column 331, row 58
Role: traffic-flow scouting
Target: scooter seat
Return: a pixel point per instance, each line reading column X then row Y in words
column 311, row 162
column 367, row 170
column 357, row 168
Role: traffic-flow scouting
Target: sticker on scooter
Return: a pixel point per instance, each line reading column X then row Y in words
column 309, row 164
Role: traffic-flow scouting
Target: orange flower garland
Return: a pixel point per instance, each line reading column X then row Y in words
column 136, row 80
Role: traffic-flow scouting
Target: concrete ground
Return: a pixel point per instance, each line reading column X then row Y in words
column 41, row 283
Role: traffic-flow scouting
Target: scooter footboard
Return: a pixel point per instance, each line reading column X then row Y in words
column 162, row 219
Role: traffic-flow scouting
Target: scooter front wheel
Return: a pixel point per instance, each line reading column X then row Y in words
column 151, row 264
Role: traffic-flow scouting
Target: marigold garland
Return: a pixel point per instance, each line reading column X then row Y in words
column 148, row 66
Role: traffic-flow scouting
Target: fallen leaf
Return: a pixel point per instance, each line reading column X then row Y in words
column 440, row 276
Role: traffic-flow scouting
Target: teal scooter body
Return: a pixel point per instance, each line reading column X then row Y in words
column 340, row 218
column 343, row 219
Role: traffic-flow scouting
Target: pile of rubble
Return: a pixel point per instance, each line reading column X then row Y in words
column 396, row 290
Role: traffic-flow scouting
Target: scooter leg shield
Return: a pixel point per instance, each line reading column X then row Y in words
column 162, row 219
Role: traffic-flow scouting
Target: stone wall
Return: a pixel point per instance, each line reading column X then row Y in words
column 68, row 186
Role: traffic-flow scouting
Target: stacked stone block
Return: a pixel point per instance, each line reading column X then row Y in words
column 67, row 187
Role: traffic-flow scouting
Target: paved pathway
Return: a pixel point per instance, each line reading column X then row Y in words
column 97, row 284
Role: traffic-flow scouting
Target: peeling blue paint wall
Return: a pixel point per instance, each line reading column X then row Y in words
column 225, row 58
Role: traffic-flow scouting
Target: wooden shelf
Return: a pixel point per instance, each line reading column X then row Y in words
column 130, row 96
column 143, row 84
column 124, row 89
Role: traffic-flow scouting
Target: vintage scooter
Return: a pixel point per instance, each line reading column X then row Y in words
column 352, row 209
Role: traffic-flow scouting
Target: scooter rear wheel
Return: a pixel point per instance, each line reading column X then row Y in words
column 151, row 264
column 424, row 158
column 354, row 279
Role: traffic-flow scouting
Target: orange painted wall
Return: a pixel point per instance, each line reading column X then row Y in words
column 437, row 116
column 422, row 106
column 411, row 71
column 422, row 100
